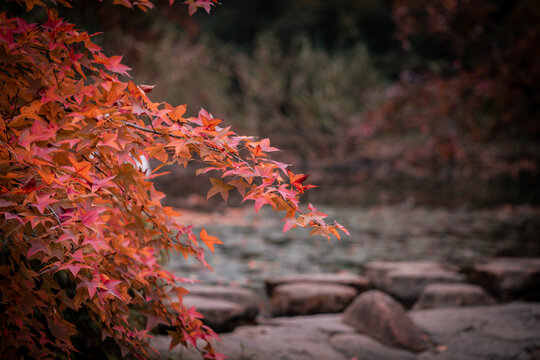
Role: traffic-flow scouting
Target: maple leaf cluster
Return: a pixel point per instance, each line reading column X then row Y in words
column 76, row 209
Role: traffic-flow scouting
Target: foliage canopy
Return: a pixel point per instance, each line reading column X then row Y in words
column 81, row 224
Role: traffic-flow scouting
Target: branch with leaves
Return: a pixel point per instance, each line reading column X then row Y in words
column 81, row 225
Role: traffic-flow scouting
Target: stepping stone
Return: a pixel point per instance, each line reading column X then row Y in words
column 376, row 270
column 452, row 295
column 378, row 315
column 161, row 344
column 364, row 347
column 247, row 298
column 220, row 315
column 360, row 283
column 326, row 323
column 407, row 285
column 406, row 280
column 509, row 278
column 494, row 332
column 276, row 342
column 310, row 298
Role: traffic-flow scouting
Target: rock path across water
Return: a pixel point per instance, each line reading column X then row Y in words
column 497, row 332
column 374, row 325
column 456, row 250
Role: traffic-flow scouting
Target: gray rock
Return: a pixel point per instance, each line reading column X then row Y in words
column 378, row 315
column 310, row 298
column 326, row 323
column 496, row 332
column 509, row 278
column 277, row 343
column 452, row 295
column 361, row 283
column 220, row 315
column 407, row 284
column 365, row 348
column 247, row 298
column 376, row 270
column 161, row 344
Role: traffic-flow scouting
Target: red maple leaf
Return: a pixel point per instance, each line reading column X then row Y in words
column 90, row 285
column 112, row 63
column 43, row 202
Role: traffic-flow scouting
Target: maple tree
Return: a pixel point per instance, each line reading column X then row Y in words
column 81, row 224
column 469, row 101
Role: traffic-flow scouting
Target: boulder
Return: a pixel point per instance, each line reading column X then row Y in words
column 378, row 315
column 495, row 332
column 310, row 298
column 247, row 298
column 360, row 283
column 267, row 342
column 452, row 295
column 508, row 278
column 364, row 347
column 220, row 315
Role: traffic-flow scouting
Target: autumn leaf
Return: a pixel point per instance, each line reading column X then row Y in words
column 74, row 268
column 240, row 185
column 43, row 201
column 290, row 223
column 219, row 187
column 38, row 246
column 209, row 240
column 296, row 180
column 113, row 63
column 73, row 200
column 264, row 145
column 90, row 217
column 193, row 5
column 91, row 285
column 81, row 169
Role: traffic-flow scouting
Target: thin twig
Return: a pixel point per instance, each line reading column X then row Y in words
column 56, row 216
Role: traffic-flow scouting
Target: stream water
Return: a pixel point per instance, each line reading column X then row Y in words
column 254, row 247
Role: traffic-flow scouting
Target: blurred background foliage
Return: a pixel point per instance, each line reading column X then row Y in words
column 433, row 102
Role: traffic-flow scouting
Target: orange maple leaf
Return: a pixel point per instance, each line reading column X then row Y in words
column 209, row 240
column 219, row 187
column 81, row 168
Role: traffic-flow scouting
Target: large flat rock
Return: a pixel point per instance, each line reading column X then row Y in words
column 310, row 298
column 244, row 297
column 278, row 343
column 161, row 344
column 509, row 278
column 407, row 285
column 376, row 271
column 220, row 315
column 326, row 323
column 406, row 280
column 452, row 295
column 366, row 348
column 360, row 283
column 496, row 332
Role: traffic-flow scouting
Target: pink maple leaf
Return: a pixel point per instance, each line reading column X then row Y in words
column 43, row 201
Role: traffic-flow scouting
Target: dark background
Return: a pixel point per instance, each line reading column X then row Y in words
column 380, row 101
